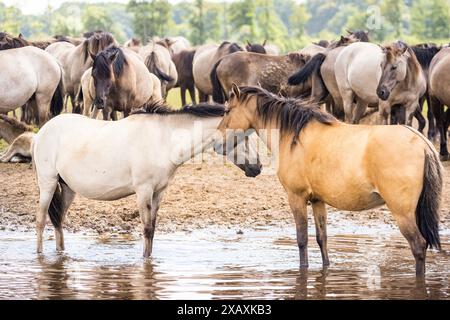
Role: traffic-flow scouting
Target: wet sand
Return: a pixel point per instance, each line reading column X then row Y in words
column 200, row 196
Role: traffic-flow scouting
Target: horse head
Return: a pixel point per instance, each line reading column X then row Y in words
column 393, row 68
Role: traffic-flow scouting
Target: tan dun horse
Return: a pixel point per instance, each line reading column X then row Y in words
column 324, row 161
column 118, row 81
column 75, row 60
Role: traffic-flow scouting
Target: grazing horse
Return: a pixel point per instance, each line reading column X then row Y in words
column 205, row 59
column 112, row 160
column 183, row 62
column 118, row 81
column 387, row 76
column 248, row 68
column 159, row 62
column 320, row 72
column 32, row 75
column 75, row 60
column 438, row 86
column 324, row 161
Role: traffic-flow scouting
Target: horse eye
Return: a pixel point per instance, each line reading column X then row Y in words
column 394, row 67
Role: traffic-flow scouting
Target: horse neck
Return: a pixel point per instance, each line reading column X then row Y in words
column 195, row 135
column 414, row 71
column 269, row 133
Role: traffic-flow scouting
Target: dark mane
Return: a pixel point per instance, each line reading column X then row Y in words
column 360, row 35
column 202, row 110
column 232, row 47
column 425, row 55
column 292, row 115
column 102, row 62
column 9, row 42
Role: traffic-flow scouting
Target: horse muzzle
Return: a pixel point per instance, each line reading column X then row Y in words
column 383, row 93
column 252, row 170
column 99, row 103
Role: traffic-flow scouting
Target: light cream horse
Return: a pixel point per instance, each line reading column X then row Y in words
column 324, row 161
column 76, row 60
column 119, row 81
column 387, row 76
column 110, row 160
column 158, row 60
column 30, row 74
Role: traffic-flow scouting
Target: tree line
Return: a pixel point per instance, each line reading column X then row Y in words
column 287, row 23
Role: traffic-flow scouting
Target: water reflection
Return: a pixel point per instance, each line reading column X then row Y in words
column 261, row 264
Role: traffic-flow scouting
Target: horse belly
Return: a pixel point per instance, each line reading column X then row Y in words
column 355, row 201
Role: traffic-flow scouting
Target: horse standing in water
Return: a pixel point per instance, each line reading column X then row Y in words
column 110, row 160
column 325, row 161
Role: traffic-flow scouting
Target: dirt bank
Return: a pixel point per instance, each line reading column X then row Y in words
column 200, row 196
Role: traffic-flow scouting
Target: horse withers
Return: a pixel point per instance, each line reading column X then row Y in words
column 110, row 160
column 324, row 161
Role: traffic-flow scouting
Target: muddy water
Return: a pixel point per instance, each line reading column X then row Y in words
column 218, row 264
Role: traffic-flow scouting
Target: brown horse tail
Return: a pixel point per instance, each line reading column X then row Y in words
column 57, row 102
column 427, row 211
column 218, row 92
column 311, row 67
column 152, row 65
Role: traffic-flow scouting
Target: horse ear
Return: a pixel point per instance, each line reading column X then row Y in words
column 349, row 32
column 113, row 55
column 235, row 90
column 264, row 43
column 20, row 36
column 248, row 43
column 402, row 47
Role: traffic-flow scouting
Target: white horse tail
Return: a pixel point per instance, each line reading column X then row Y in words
column 57, row 103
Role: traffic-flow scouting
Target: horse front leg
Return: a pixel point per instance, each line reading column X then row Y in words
column 299, row 209
column 320, row 219
column 384, row 109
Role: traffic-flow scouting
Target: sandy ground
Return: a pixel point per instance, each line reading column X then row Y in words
column 201, row 195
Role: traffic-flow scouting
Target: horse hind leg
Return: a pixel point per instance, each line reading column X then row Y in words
column 409, row 229
column 67, row 197
column 299, row 209
column 46, row 194
column 320, row 219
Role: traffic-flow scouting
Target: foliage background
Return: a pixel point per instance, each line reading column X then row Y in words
column 290, row 24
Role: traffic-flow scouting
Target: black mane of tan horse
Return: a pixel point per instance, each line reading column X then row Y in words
column 102, row 62
column 203, row 110
column 292, row 115
column 232, row 46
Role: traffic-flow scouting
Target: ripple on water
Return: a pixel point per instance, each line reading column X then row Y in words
column 219, row 264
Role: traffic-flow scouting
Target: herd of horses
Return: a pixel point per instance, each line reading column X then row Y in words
column 314, row 97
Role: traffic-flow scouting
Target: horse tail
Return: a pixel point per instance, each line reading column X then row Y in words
column 152, row 65
column 427, row 211
column 57, row 103
column 313, row 66
column 56, row 208
column 218, row 92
